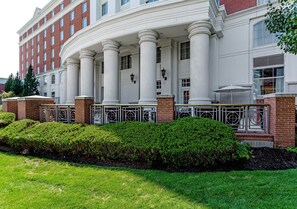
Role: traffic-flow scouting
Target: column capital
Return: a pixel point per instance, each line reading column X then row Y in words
column 147, row 36
column 71, row 61
column 199, row 27
column 110, row 45
column 85, row 53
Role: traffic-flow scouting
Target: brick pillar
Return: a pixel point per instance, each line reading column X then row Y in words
column 282, row 118
column 28, row 107
column 10, row 105
column 83, row 109
column 165, row 109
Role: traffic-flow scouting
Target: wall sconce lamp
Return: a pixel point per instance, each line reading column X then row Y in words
column 163, row 72
column 132, row 76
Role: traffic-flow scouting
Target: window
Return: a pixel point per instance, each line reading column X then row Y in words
column 186, row 82
column 38, row 59
column 44, row 56
column 104, row 8
column 53, row 40
column 185, row 50
column 53, row 53
column 44, row 68
column 71, row 30
column 32, row 52
column 149, row 1
column 53, row 13
column 159, row 85
column 84, row 7
column 84, row 22
column 53, row 94
column 186, row 96
column 32, row 41
column 38, row 48
column 53, row 28
column 259, row 2
column 27, row 54
column 45, row 80
column 38, row 72
column 53, row 78
column 61, row 22
column 27, row 45
column 44, row 19
column 159, row 55
column 61, row 6
column 44, row 33
column 124, row 2
column 102, row 67
column 61, row 35
column 32, row 62
column 44, row 44
column 72, row 15
column 126, row 62
column 45, row 94
column 38, row 37
column 52, row 65
column 38, row 25
column 262, row 36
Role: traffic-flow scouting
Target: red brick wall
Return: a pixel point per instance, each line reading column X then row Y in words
column 233, row 6
column 66, row 28
column 165, row 109
column 10, row 106
column 282, row 120
column 82, row 109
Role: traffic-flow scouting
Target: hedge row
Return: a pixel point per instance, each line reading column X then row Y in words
column 6, row 118
column 184, row 143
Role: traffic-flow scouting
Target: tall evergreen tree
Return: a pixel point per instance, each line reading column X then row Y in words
column 30, row 83
column 8, row 83
column 17, row 86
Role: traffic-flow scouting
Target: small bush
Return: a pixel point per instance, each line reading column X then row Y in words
column 6, row 118
column 184, row 143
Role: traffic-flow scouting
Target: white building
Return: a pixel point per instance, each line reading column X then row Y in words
column 120, row 56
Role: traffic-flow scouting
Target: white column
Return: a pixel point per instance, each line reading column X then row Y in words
column 199, row 33
column 72, row 79
column 148, row 49
column 87, row 72
column 111, row 72
column 62, row 86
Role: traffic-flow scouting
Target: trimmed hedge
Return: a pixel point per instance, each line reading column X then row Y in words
column 6, row 118
column 184, row 143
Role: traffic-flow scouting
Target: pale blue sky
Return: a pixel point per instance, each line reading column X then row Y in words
column 14, row 14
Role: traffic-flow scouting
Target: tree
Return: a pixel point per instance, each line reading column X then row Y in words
column 17, row 86
column 30, row 83
column 8, row 83
column 281, row 19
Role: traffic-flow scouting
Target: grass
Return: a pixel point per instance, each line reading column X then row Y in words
column 27, row 182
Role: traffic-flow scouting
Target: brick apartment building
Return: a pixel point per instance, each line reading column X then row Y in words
column 129, row 51
column 2, row 84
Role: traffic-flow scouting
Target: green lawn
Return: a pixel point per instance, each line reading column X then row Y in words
column 27, row 182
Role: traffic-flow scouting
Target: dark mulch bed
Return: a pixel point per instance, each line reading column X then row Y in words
column 261, row 159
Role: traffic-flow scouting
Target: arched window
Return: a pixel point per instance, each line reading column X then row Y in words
column 262, row 36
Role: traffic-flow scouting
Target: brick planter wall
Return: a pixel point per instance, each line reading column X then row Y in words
column 10, row 105
column 282, row 118
column 83, row 109
column 165, row 109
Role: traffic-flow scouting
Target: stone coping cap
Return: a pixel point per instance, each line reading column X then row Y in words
column 165, row 96
column 84, row 97
column 36, row 97
column 10, row 99
column 280, row 95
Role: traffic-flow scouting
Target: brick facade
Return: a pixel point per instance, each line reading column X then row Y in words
column 11, row 105
column 83, row 109
column 233, row 6
column 165, row 109
column 2, row 88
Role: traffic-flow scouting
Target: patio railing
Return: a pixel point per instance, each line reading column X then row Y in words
column 101, row 114
column 248, row 118
column 57, row 113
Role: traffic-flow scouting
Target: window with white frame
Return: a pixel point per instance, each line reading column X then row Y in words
column 44, row 56
column 53, row 40
column 52, row 65
column 38, row 25
column 44, row 19
column 38, row 37
column 104, row 9
column 124, row 2
column 44, row 33
column 53, row 13
column 84, row 7
column 38, row 48
column 84, row 22
column 158, row 84
column 53, row 78
column 268, row 74
column 32, row 52
column 38, row 71
column 71, row 30
column 261, row 36
column 44, row 44
column 32, row 41
column 72, row 15
column 159, row 55
column 185, row 50
column 62, row 22
column 186, row 82
column 32, row 62
column 53, row 53
column 126, row 62
column 150, row 1
column 44, row 68
column 53, row 28
column 38, row 59
column 61, row 35
column 61, row 6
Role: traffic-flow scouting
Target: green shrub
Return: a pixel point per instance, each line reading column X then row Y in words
column 292, row 149
column 6, row 118
column 184, row 143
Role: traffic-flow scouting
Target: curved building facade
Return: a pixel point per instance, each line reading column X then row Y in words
column 130, row 51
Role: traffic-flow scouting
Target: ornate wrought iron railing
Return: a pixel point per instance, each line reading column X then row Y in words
column 57, row 113
column 248, row 118
column 101, row 114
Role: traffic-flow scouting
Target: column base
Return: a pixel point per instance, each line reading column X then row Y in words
column 111, row 102
column 147, row 101
column 200, row 101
